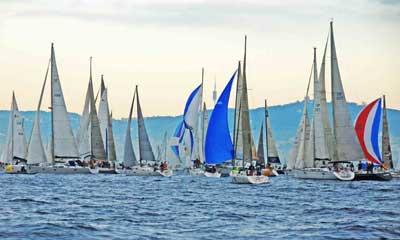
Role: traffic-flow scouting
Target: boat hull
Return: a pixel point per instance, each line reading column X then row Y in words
column 16, row 169
column 383, row 176
column 243, row 179
column 148, row 171
column 61, row 170
column 212, row 175
column 196, row 172
column 323, row 174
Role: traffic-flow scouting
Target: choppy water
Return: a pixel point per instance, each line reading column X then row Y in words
column 182, row 207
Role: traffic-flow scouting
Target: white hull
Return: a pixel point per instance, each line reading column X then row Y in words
column 147, row 171
column 244, row 179
column 196, row 172
column 323, row 174
column 62, row 170
column 212, row 175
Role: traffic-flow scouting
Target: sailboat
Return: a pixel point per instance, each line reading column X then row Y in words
column 105, row 120
column 64, row 155
column 218, row 143
column 190, row 132
column 13, row 155
column 328, row 155
column 367, row 128
column 243, row 132
column 142, row 167
column 270, row 160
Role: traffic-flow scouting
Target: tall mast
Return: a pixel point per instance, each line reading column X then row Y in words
column 266, row 130
column 91, row 110
column 12, row 126
column 51, row 102
column 236, row 115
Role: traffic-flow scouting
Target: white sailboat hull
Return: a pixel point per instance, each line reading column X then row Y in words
column 323, row 174
column 244, row 179
column 196, row 172
column 62, row 170
column 212, row 175
column 148, row 171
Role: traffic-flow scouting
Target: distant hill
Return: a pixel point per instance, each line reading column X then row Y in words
column 284, row 121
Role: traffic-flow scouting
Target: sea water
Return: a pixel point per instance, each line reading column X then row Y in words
column 184, row 207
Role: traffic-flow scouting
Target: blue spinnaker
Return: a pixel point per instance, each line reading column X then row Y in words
column 219, row 146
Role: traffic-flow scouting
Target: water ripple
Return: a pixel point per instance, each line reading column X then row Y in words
column 181, row 207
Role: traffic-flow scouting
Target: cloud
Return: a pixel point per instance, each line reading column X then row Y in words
column 191, row 13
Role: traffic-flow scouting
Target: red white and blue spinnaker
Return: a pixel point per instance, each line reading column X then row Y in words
column 367, row 126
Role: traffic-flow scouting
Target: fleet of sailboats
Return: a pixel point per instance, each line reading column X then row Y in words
column 203, row 144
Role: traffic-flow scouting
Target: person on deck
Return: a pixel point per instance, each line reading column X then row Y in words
column 251, row 170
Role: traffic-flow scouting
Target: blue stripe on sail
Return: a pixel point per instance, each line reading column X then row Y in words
column 375, row 131
column 190, row 99
column 178, row 134
column 191, row 144
column 219, row 147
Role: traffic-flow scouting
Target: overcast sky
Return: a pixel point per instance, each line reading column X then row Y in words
column 161, row 45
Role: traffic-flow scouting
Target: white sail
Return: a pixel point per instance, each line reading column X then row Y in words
column 319, row 147
column 63, row 139
column 82, row 136
column 129, row 154
column 237, row 130
column 16, row 142
column 204, row 126
column 260, row 148
column 36, row 153
column 111, row 152
column 330, row 142
column 304, row 138
column 348, row 148
column 272, row 150
column 191, row 120
column 297, row 152
column 145, row 149
column 245, row 116
column 309, row 148
column 104, row 111
column 96, row 141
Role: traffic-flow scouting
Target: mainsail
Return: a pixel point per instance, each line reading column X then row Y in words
column 36, row 153
column 346, row 143
column 324, row 109
column 145, row 149
column 319, row 145
column 272, row 152
column 237, row 125
column 96, row 141
column 16, row 142
column 386, row 149
column 82, row 136
column 260, row 148
column 245, row 116
column 297, row 153
column 129, row 154
column 110, row 144
column 218, row 145
column 104, row 111
column 63, row 142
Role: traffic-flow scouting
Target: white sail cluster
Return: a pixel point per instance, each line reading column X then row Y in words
column 317, row 143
